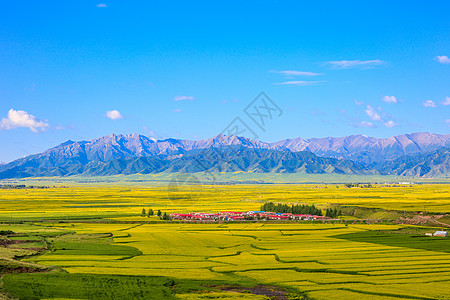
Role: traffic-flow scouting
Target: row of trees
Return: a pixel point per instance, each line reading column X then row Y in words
column 13, row 186
column 350, row 185
column 150, row 212
column 333, row 213
column 293, row 209
column 22, row 186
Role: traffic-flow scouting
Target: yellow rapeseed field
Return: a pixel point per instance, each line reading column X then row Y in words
column 126, row 202
column 309, row 257
column 326, row 261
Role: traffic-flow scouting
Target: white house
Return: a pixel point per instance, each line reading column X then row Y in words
column 440, row 233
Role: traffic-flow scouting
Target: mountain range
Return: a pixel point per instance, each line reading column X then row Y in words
column 417, row 154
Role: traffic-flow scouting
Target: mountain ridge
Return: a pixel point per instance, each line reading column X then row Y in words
column 373, row 154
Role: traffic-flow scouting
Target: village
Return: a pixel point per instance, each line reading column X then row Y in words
column 244, row 216
column 229, row 216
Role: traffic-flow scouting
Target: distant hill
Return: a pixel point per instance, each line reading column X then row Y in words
column 224, row 159
column 417, row 154
column 434, row 164
column 366, row 149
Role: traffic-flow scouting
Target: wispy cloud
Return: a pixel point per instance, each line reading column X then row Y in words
column 448, row 122
column 390, row 99
column 20, row 118
column 390, row 124
column 149, row 132
column 443, row 59
column 358, row 102
column 429, row 103
column 102, row 5
column 365, row 124
column 379, row 116
column 446, row 101
column 183, row 98
column 372, row 113
column 353, row 64
column 299, row 83
column 291, row 73
column 177, row 110
column 114, row 114
column 60, row 126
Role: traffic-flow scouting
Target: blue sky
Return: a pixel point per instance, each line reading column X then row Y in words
column 83, row 69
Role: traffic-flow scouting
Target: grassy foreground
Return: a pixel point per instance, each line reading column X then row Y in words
column 317, row 261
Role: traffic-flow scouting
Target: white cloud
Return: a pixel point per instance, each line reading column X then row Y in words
column 151, row 132
column 358, row 102
column 366, row 124
column 114, row 114
column 352, row 64
column 443, row 59
column 390, row 124
column 102, row 5
column 446, row 101
column 429, row 103
column 377, row 115
column 296, row 73
column 177, row 110
column 448, row 122
column 299, row 83
column 182, row 98
column 390, row 99
column 20, row 118
column 372, row 113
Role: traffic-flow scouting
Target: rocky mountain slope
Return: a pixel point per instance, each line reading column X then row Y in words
column 434, row 164
column 368, row 149
column 224, row 159
column 414, row 154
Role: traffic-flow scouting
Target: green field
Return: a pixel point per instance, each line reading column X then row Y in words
column 88, row 241
column 319, row 261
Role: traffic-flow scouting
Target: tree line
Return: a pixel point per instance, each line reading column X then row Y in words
column 333, row 213
column 150, row 212
column 21, row 186
column 350, row 185
column 293, row 209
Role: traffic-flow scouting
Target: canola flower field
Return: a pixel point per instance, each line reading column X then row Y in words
column 125, row 202
column 97, row 236
column 321, row 261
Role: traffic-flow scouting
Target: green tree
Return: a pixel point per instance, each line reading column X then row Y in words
column 150, row 212
column 159, row 213
column 143, row 212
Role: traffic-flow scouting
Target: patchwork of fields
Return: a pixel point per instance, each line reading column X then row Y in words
column 126, row 202
column 321, row 260
column 109, row 250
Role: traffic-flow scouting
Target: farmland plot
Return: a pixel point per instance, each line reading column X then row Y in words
column 322, row 260
column 98, row 233
column 125, row 203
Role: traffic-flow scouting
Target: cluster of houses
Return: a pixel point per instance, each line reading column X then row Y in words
column 242, row 216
